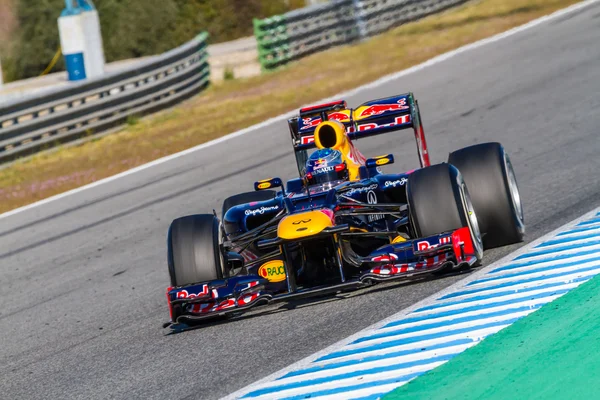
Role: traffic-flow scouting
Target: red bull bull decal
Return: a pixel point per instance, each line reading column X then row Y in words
column 378, row 109
column 308, row 123
column 321, row 163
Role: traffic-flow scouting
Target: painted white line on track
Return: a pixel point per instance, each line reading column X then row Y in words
column 516, row 279
column 390, row 334
column 280, row 118
column 432, row 331
column 554, row 281
column 364, row 379
column 324, row 372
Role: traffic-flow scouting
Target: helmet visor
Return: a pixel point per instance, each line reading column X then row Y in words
column 327, row 174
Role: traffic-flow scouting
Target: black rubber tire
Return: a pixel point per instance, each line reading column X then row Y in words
column 438, row 201
column 193, row 250
column 434, row 200
column 247, row 197
column 486, row 169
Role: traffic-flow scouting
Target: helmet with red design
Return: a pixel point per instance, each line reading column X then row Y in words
column 326, row 166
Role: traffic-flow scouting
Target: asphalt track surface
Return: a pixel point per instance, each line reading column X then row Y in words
column 82, row 280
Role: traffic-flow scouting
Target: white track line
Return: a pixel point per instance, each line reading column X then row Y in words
column 424, row 355
column 436, row 60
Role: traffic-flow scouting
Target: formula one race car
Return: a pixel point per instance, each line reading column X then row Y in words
column 343, row 224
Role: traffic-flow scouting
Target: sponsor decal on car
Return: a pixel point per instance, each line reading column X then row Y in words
column 404, row 119
column 261, row 210
column 322, row 170
column 378, row 109
column 400, row 182
column 372, row 199
column 308, row 123
column 361, row 189
column 426, row 245
column 273, row 271
column 264, row 185
column 184, row 294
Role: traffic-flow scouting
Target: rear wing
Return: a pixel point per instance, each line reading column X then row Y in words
column 372, row 118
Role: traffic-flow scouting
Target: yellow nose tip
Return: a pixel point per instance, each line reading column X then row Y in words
column 302, row 225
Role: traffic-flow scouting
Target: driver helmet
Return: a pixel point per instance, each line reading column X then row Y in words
column 324, row 166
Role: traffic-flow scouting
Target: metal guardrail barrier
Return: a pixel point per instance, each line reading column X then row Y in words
column 92, row 107
column 302, row 32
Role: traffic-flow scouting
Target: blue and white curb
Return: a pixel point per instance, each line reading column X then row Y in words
column 381, row 358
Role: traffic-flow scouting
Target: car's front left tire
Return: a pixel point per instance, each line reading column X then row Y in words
column 193, row 250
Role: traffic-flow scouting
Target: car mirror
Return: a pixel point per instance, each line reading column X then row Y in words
column 268, row 184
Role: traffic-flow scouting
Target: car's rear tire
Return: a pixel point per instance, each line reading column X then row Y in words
column 193, row 250
column 490, row 178
column 247, row 197
column 439, row 201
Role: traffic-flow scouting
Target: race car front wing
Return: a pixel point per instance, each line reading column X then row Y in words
column 188, row 304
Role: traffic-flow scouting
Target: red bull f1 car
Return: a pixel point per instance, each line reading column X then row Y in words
column 343, row 223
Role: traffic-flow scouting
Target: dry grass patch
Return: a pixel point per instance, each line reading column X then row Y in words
column 236, row 104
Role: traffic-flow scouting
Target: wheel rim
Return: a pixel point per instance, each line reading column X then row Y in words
column 513, row 189
column 472, row 222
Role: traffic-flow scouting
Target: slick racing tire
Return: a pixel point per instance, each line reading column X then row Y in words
column 489, row 175
column 247, row 197
column 439, row 201
column 193, row 250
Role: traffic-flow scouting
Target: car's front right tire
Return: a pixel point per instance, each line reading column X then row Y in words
column 489, row 175
column 439, row 201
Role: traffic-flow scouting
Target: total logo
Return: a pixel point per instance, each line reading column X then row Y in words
column 261, row 210
column 400, row 182
column 273, row 271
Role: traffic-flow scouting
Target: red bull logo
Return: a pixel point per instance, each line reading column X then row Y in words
column 184, row 294
column 321, row 162
column 308, row 123
column 378, row 109
column 338, row 116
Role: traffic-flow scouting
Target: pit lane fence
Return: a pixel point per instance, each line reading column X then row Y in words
column 299, row 33
column 99, row 105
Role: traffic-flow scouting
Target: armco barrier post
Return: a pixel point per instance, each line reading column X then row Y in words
column 272, row 41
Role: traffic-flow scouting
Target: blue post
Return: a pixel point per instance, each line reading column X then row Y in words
column 75, row 7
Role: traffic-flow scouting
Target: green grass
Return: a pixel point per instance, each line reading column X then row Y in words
column 238, row 103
